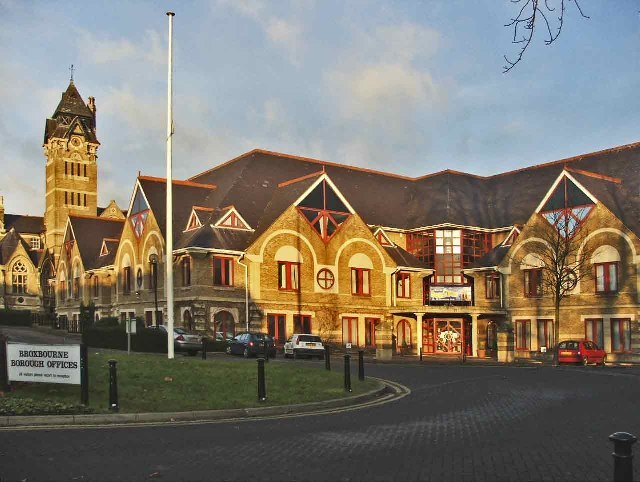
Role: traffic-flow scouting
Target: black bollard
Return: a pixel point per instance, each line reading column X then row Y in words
column 4, row 373
column 84, row 375
column 420, row 353
column 265, row 351
column 113, row 386
column 262, row 386
column 327, row 357
column 347, row 372
column 204, row 348
column 361, row 365
column 622, row 456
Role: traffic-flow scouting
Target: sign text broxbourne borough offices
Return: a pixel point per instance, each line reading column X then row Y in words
column 44, row 363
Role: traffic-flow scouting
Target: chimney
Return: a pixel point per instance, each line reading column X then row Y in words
column 92, row 107
column 1, row 215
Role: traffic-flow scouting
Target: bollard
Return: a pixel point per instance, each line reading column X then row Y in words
column 361, row 365
column 113, row 386
column 265, row 351
column 327, row 357
column 622, row 456
column 84, row 375
column 204, row 348
column 4, row 373
column 347, row 372
column 420, row 353
column 262, row 386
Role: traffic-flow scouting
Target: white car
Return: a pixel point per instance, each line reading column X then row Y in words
column 304, row 345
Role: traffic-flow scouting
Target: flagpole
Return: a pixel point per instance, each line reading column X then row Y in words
column 169, row 235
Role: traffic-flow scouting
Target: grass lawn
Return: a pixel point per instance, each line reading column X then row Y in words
column 152, row 383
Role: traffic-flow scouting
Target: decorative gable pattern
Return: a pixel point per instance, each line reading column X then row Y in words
column 139, row 213
column 232, row 219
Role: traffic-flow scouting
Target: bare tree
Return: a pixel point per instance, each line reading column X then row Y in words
column 533, row 14
column 327, row 319
column 564, row 259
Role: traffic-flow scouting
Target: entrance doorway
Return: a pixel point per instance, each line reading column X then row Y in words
column 443, row 336
column 403, row 330
column 492, row 340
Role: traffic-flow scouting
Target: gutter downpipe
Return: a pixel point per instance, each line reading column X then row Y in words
column 246, row 290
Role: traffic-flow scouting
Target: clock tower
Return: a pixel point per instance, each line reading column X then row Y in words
column 70, row 147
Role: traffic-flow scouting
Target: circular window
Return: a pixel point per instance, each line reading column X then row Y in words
column 20, row 300
column 325, row 279
column 569, row 280
column 139, row 278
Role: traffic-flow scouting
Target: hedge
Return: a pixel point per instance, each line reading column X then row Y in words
column 144, row 340
column 15, row 317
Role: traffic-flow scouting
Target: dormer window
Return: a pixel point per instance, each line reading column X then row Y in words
column 324, row 210
column 232, row 221
column 567, row 208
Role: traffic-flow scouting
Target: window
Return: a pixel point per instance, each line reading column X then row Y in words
column 139, row 213
column 153, row 274
column 73, row 168
column 301, row 324
column 448, row 258
column 523, row 334
column 403, row 285
column 492, row 286
column 422, row 246
column 63, row 290
column 360, row 281
column 84, row 202
column 474, row 246
column 620, row 335
column 350, row 330
column 66, row 197
column 370, row 331
column 186, row 271
column 126, row 280
column 96, row 286
column 66, row 168
column 222, row 271
column 325, row 279
column 233, row 221
column 276, row 325
column 606, row 277
column 35, row 242
column 19, row 278
column 545, row 333
column 533, row 282
column 288, row 276
column 593, row 331
column 324, row 210
column 85, row 172
column 76, row 287
column 567, row 208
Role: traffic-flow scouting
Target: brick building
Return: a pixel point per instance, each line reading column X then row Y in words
column 446, row 263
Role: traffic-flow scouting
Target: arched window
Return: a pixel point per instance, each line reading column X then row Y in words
column 605, row 260
column 289, row 259
column 187, row 320
column 223, row 326
column 76, row 282
column 126, row 275
column 361, row 267
column 19, row 278
column 403, row 330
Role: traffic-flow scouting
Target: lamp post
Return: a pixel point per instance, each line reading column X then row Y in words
column 153, row 259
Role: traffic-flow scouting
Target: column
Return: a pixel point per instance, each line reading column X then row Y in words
column 474, row 335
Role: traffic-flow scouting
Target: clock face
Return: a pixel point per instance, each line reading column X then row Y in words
column 75, row 142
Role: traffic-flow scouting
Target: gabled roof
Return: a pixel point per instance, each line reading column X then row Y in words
column 24, row 224
column 388, row 200
column 89, row 234
column 210, row 237
column 72, row 103
column 492, row 259
column 73, row 108
column 403, row 258
column 9, row 243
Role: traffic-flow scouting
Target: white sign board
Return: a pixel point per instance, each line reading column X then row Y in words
column 43, row 363
column 348, row 346
column 131, row 326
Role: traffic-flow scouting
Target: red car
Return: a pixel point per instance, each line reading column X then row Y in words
column 580, row 351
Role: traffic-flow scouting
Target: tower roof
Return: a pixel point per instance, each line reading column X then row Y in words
column 72, row 103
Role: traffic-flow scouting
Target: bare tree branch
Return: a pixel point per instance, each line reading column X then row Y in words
column 529, row 16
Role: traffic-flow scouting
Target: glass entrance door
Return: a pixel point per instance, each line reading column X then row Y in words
column 448, row 336
column 428, row 341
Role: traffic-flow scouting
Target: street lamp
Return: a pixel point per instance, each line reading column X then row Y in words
column 153, row 260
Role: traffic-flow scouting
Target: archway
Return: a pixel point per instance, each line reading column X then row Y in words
column 403, row 334
column 187, row 321
column 492, row 339
column 223, row 326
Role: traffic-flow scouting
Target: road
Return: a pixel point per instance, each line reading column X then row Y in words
column 458, row 423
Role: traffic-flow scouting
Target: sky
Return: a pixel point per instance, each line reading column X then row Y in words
column 408, row 87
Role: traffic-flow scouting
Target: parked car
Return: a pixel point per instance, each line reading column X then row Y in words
column 304, row 345
column 251, row 344
column 183, row 341
column 580, row 351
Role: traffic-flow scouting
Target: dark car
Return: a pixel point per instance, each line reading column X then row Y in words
column 251, row 344
column 580, row 351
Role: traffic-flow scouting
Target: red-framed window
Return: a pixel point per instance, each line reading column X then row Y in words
column 324, row 210
column 126, row 280
column 492, row 286
column 475, row 244
column 533, row 282
column 523, row 334
column 620, row 335
column 222, row 271
column 63, row 290
column 403, row 285
column 233, row 221
column 545, row 333
column 370, row 331
column 276, row 327
column 423, row 246
column 606, row 275
column 288, row 276
column 186, row 271
column 361, row 281
column 448, row 258
column 350, row 330
column 593, row 330
column 403, row 331
column 302, row 324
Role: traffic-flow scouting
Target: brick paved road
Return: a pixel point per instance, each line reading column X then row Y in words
column 459, row 423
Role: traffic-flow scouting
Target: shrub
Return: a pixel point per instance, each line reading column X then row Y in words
column 107, row 322
column 28, row 406
column 15, row 317
column 145, row 340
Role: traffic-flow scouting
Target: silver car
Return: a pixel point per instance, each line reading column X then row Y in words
column 183, row 341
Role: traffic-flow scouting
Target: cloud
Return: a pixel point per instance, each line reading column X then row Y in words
column 105, row 50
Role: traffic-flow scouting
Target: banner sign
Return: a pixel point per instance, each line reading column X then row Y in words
column 450, row 293
column 43, row 363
